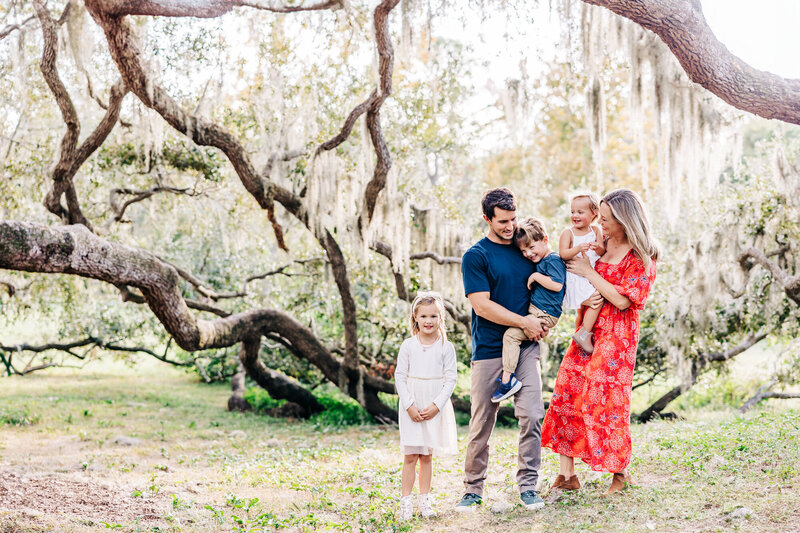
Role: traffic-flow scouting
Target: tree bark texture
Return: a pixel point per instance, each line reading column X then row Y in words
column 71, row 156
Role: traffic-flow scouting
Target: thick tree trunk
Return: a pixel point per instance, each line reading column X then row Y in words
column 278, row 385
column 237, row 402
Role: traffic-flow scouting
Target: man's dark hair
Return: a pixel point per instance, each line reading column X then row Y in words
column 501, row 197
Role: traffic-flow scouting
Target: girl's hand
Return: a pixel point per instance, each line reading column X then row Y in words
column 584, row 246
column 594, row 301
column 414, row 413
column 579, row 265
column 429, row 412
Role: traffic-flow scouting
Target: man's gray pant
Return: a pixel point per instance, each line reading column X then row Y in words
column 528, row 408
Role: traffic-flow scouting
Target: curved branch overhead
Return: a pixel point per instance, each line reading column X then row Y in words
column 71, row 156
column 385, row 68
column 6, row 30
column 208, row 8
column 790, row 284
column 707, row 62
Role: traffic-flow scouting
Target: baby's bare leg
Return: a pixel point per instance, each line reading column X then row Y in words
column 590, row 317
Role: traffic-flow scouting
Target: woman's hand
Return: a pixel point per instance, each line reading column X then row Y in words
column 580, row 265
column 414, row 413
column 429, row 412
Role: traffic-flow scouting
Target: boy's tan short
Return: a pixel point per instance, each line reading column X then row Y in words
column 550, row 320
column 514, row 337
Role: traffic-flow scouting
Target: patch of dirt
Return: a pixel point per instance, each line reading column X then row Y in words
column 45, row 496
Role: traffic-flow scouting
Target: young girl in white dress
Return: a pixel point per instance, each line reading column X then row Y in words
column 586, row 238
column 425, row 376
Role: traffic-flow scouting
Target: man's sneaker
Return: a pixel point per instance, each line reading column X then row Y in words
column 531, row 500
column 506, row 390
column 425, row 507
column 469, row 502
column 406, row 507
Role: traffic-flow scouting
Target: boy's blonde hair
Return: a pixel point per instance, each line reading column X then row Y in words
column 594, row 202
column 528, row 231
column 426, row 298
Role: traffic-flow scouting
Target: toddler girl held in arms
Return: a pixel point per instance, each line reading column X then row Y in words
column 586, row 238
column 425, row 377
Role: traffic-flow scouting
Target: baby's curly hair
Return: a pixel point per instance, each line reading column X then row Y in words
column 528, row 231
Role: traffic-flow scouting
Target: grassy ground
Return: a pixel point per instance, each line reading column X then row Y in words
column 155, row 451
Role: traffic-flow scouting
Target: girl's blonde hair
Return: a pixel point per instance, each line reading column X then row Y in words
column 594, row 202
column 426, row 298
column 628, row 210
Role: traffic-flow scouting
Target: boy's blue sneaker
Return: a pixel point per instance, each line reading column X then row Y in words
column 506, row 390
column 531, row 500
column 469, row 502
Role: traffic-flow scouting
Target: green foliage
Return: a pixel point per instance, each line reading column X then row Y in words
column 177, row 154
column 717, row 391
column 340, row 410
column 260, row 400
column 17, row 417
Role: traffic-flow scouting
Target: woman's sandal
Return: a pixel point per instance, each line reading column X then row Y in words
column 618, row 483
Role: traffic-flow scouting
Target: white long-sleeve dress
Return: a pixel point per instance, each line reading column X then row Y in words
column 425, row 375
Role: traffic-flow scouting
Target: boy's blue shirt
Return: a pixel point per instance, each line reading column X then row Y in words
column 549, row 301
column 503, row 272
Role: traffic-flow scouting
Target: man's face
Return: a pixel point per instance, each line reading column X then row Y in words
column 502, row 225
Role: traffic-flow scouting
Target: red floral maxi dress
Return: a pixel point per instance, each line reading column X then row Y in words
column 589, row 414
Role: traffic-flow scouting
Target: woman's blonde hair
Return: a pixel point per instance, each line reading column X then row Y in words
column 628, row 209
column 426, row 298
column 594, row 201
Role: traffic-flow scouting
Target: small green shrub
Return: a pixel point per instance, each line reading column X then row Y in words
column 340, row 410
column 17, row 417
column 260, row 400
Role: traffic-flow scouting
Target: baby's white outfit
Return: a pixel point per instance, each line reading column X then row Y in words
column 578, row 287
column 426, row 375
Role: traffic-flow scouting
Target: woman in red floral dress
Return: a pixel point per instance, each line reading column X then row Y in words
column 589, row 414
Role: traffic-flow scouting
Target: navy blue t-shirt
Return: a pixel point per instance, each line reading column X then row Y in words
column 502, row 271
column 549, row 301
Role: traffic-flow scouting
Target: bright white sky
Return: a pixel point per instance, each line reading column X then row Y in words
column 763, row 33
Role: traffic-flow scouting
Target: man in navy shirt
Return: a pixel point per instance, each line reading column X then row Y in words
column 495, row 275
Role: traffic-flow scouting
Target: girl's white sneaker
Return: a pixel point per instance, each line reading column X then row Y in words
column 406, row 507
column 425, row 507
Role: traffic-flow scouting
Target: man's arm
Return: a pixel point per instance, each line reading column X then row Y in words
column 485, row 308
